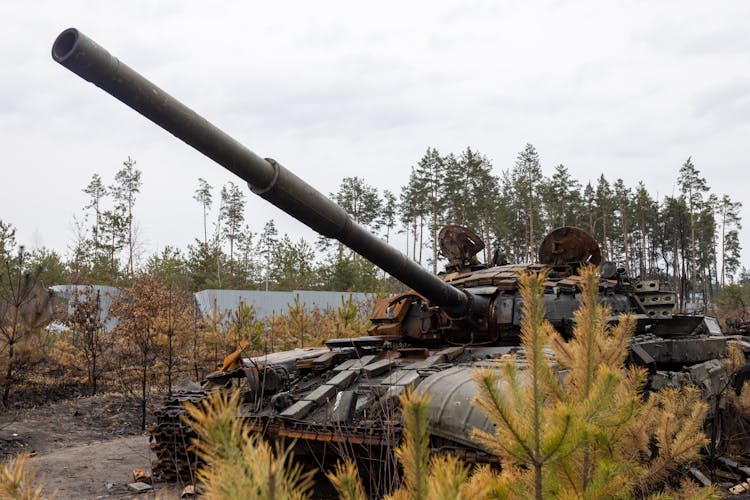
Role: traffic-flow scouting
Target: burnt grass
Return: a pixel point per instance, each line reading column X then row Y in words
column 42, row 418
column 32, row 395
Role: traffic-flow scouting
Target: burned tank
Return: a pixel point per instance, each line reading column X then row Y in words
column 340, row 400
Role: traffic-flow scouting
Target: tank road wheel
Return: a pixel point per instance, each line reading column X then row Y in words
column 171, row 440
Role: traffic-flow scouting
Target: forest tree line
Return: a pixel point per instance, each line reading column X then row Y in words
column 689, row 239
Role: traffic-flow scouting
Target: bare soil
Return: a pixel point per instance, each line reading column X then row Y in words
column 83, row 448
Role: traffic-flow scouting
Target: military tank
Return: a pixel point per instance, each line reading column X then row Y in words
column 341, row 400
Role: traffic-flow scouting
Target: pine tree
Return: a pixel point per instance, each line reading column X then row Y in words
column 508, row 225
column 533, row 428
column 170, row 267
column 247, row 274
column 455, row 190
column 238, row 463
column 232, row 216
column 603, row 396
column 676, row 220
column 562, row 198
column 589, row 200
column 412, row 208
column 732, row 248
column 203, row 196
column 730, row 222
column 581, row 429
column 388, row 213
column 622, row 199
column 359, row 200
column 527, row 178
column 604, row 205
column 362, row 203
column 201, row 264
column 96, row 191
column 706, row 258
column 645, row 209
column 114, row 229
column 292, row 264
column 430, row 175
column 345, row 478
column 7, row 242
column 266, row 243
column 127, row 186
column 692, row 186
column 24, row 309
column 483, row 195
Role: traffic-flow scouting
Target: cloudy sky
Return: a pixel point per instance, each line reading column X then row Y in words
column 334, row 89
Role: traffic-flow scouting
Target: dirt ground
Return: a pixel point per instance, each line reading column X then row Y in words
column 83, row 448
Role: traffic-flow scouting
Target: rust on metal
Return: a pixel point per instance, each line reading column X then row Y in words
column 567, row 245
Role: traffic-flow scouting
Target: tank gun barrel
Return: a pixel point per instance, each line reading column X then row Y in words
column 265, row 177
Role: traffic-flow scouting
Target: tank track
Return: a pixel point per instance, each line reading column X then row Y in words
column 171, row 440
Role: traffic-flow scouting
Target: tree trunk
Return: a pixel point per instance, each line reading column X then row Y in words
column 684, row 274
column 644, row 253
column 169, row 367
column 715, row 262
column 487, row 239
column 723, row 251
column 625, row 244
column 675, row 262
column 414, row 240
column 112, row 256
column 143, row 393
column 532, row 243
column 195, row 339
column 406, row 231
column 130, row 242
column 421, row 231
column 205, row 229
column 693, row 270
column 605, row 249
column 538, row 482
column 231, row 255
column 92, row 377
column 8, row 373
column 434, row 239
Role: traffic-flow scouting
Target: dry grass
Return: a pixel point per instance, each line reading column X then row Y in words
column 18, row 480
